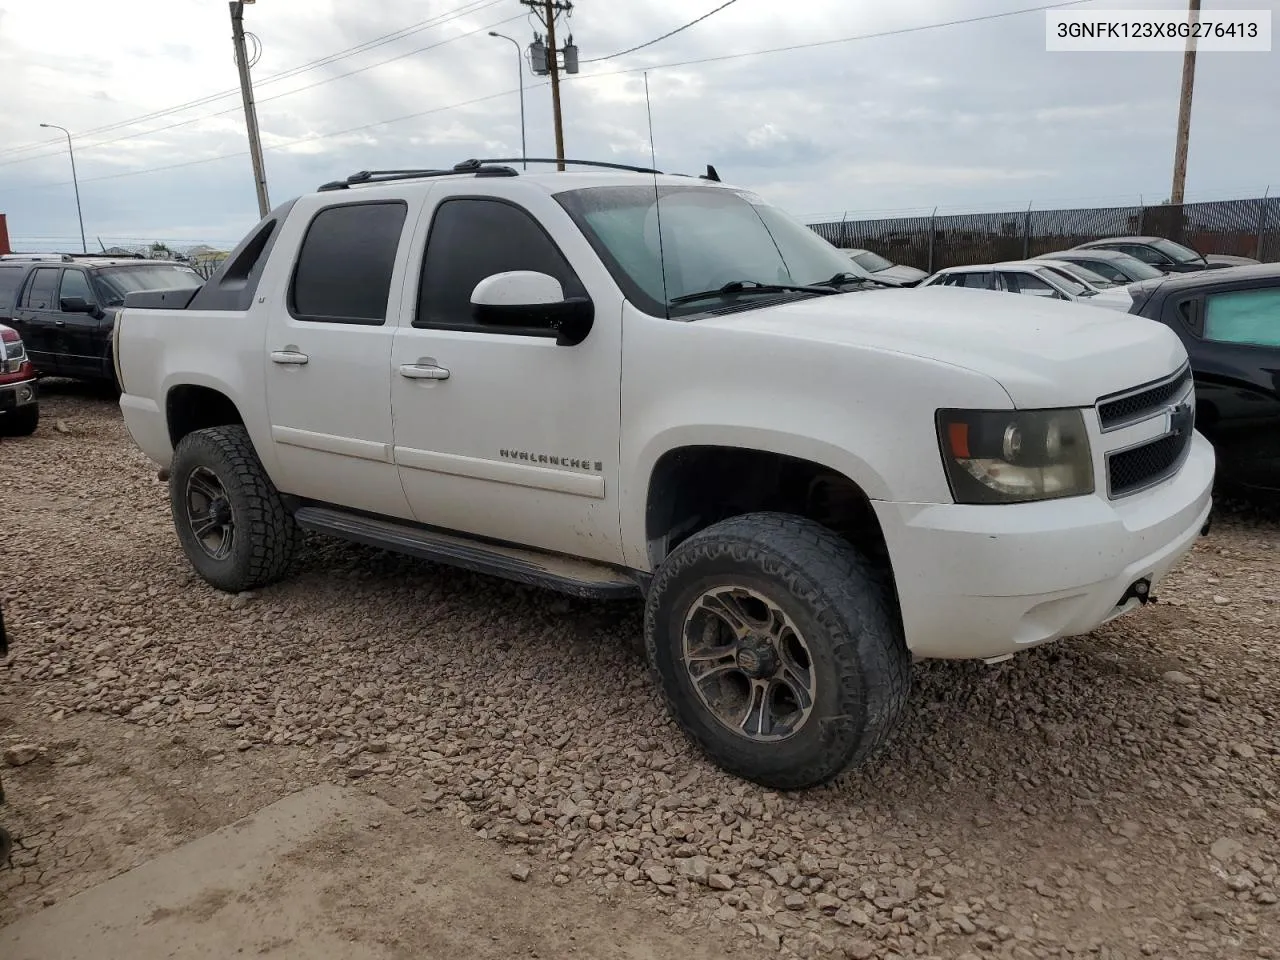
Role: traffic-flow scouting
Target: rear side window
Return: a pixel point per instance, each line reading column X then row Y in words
column 1030, row 285
column 10, row 280
column 472, row 239
column 344, row 268
column 42, row 289
column 979, row 280
column 1249, row 317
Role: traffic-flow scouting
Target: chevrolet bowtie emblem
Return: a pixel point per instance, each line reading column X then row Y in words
column 1181, row 419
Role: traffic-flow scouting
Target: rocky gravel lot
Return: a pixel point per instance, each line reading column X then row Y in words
column 1113, row 796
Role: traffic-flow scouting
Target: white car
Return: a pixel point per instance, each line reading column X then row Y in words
column 1035, row 278
column 899, row 274
column 626, row 385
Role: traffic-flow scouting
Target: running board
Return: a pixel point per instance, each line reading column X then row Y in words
column 579, row 578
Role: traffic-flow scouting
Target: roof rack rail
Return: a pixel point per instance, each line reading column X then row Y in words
column 491, row 167
column 576, row 163
column 389, row 176
column 37, row 257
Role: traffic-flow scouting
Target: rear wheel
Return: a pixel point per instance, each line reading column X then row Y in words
column 777, row 649
column 21, row 422
column 230, row 519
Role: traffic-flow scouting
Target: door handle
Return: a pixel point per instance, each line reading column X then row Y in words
column 423, row 371
column 289, row 356
column 59, row 323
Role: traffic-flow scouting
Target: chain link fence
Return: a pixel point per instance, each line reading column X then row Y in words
column 1248, row 228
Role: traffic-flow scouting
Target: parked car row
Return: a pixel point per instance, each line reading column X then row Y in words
column 1054, row 279
column 1120, row 259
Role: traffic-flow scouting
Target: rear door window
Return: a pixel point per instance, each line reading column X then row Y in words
column 1247, row 317
column 343, row 273
column 42, row 289
column 1029, row 284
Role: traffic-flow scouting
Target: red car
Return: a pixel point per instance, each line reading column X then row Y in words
column 19, row 399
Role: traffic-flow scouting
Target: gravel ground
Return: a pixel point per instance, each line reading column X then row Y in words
column 1115, row 795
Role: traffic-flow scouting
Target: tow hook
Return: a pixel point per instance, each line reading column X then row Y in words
column 1139, row 590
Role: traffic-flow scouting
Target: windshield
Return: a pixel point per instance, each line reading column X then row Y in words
column 1078, row 271
column 1137, row 269
column 710, row 236
column 119, row 281
column 1064, row 281
column 871, row 261
column 1176, row 251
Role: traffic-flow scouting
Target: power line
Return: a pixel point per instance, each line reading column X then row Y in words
column 670, row 33
column 289, row 143
column 457, row 13
column 824, row 43
column 278, row 96
column 682, row 63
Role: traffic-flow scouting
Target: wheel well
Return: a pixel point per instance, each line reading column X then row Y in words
column 190, row 408
column 694, row 487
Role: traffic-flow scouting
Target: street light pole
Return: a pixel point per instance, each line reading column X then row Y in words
column 84, row 247
column 524, row 152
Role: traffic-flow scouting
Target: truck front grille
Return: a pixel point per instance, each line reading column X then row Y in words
column 1137, row 468
column 1119, row 410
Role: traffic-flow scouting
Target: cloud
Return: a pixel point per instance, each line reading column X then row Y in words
column 973, row 114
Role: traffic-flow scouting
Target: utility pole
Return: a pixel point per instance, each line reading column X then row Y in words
column 554, row 66
column 1184, row 111
column 546, row 11
column 250, row 111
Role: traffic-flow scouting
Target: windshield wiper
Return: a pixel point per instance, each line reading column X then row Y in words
column 840, row 279
column 751, row 286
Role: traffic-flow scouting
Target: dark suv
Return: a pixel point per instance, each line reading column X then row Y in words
column 64, row 306
column 1229, row 321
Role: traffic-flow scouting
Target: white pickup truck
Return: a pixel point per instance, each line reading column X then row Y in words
column 622, row 384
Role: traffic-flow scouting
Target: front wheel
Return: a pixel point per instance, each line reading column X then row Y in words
column 231, row 521
column 777, row 649
column 21, row 422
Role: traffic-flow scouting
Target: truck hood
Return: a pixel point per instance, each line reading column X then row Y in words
column 1044, row 353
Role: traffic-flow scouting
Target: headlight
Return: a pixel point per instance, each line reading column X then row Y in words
column 1014, row 456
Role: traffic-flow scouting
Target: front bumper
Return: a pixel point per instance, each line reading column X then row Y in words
column 985, row 581
column 20, row 394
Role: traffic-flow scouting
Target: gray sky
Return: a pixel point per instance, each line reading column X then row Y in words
column 972, row 116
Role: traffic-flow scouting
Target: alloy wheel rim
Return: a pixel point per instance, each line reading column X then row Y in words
column 749, row 664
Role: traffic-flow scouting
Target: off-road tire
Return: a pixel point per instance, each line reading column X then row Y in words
column 6, row 847
column 843, row 605
column 266, row 536
column 21, row 422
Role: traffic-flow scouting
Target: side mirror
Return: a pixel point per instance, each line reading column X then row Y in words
column 530, row 301
column 80, row 305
